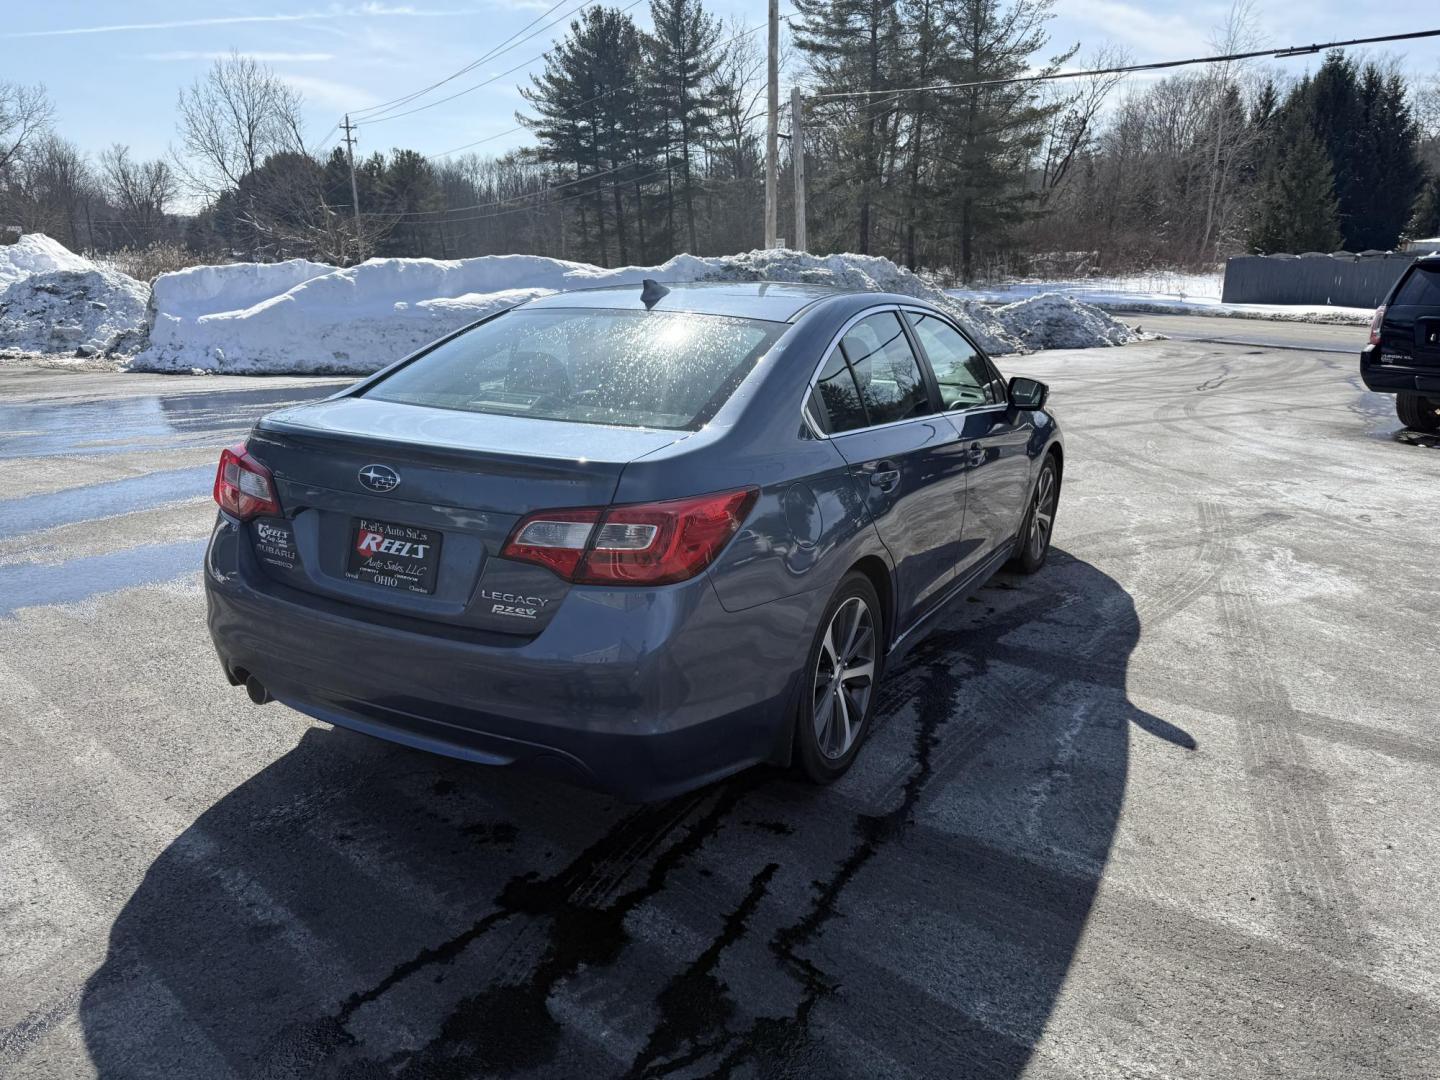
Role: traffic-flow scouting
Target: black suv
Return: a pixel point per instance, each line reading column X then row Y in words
column 1403, row 357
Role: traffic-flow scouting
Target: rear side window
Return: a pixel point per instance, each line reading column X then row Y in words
column 627, row 368
column 885, row 369
column 961, row 371
column 1421, row 288
column 838, row 406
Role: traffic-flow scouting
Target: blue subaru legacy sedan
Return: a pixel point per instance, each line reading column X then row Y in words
column 638, row 537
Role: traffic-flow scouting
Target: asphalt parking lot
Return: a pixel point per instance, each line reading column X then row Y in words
column 1166, row 809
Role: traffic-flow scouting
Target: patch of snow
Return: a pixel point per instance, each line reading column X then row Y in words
column 78, row 312
column 36, row 253
column 1052, row 321
column 309, row 318
column 1166, row 292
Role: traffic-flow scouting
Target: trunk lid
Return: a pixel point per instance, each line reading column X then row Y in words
column 461, row 481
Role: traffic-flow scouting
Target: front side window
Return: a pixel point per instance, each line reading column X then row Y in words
column 627, row 368
column 960, row 370
column 885, row 369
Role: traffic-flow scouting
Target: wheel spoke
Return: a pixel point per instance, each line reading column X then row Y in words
column 828, row 646
column 1043, row 519
column 844, row 719
column 852, row 612
column 824, row 719
column 863, row 669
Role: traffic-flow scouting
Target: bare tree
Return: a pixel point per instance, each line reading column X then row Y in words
column 1072, row 127
column 138, row 191
column 231, row 119
column 51, row 192
column 25, row 115
column 1239, row 33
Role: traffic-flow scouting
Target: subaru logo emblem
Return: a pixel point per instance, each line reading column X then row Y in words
column 379, row 478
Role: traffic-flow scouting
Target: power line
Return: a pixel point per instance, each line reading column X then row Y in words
column 493, row 78
column 604, row 93
column 1281, row 54
column 490, row 55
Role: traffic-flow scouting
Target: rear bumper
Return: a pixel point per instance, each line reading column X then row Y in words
column 641, row 692
column 1396, row 378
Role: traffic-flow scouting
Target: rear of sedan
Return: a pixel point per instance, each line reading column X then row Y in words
column 445, row 554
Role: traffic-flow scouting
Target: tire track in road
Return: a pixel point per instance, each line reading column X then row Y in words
column 1314, row 897
column 1000, row 695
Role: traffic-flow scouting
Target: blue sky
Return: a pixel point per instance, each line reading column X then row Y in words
column 114, row 69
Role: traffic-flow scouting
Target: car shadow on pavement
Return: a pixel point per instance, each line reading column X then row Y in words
column 358, row 909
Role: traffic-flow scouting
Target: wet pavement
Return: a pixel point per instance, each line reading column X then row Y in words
column 1164, row 809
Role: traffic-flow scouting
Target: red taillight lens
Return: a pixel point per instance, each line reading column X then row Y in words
column 646, row 544
column 1375, row 325
column 243, row 487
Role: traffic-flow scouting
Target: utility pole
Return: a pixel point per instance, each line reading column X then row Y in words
column 350, row 156
column 772, row 174
column 797, row 162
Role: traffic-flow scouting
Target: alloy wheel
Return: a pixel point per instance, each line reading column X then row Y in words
column 1042, row 515
column 844, row 677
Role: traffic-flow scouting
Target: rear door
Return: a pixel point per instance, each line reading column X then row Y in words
column 994, row 438
column 875, row 402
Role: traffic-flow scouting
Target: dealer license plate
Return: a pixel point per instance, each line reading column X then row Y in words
column 394, row 556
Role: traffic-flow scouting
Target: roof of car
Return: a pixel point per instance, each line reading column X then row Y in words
column 775, row 301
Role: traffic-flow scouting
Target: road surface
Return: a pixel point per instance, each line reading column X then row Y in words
column 1166, row 809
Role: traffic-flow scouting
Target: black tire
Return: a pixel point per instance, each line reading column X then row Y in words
column 1418, row 412
column 1033, row 544
column 819, row 753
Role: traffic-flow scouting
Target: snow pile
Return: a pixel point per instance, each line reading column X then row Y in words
column 868, row 273
column 305, row 317
column 94, row 312
column 1053, row 321
column 36, row 253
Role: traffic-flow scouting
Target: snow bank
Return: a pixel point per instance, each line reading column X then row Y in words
column 100, row 312
column 1052, row 321
column 300, row 317
column 36, row 253
column 311, row 318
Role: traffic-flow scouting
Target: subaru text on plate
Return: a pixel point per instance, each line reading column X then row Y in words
column 639, row 538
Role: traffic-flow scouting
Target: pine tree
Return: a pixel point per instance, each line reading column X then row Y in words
column 854, row 45
column 991, row 134
column 1425, row 221
column 586, row 101
column 683, row 61
column 1388, row 169
column 1299, row 210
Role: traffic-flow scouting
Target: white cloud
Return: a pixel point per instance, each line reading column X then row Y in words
column 335, row 11
column 330, row 93
column 261, row 57
column 1154, row 33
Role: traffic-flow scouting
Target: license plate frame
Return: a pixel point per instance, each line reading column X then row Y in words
column 409, row 561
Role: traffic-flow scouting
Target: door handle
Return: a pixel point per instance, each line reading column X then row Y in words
column 883, row 474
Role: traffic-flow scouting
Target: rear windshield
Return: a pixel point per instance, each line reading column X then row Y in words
column 1420, row 289
column 633, row 369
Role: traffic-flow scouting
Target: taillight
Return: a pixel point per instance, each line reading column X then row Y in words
column 243, row 487
column 643, row 544
column 1375, row 325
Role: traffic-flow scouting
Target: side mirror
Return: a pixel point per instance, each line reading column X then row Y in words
column 1028, row 393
